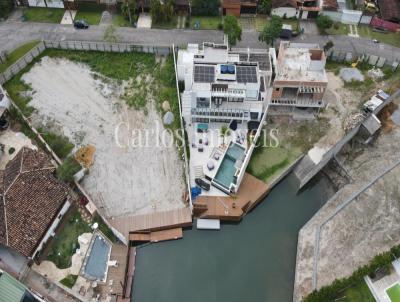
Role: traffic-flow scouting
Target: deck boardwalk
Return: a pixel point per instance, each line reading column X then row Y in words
column 153, row 222
column 116, row 274
column 157, row 236
column 130, row 273
column 251, row 192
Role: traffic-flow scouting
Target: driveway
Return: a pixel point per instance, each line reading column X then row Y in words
column 144, row 21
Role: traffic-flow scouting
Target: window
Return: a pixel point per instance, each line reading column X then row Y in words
column 277, row 89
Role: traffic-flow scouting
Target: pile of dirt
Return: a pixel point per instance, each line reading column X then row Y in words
column 385, row 116
column 85, row 156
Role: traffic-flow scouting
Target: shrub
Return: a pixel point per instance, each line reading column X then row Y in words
column 11, row 150
column 69, row 281
column 68, row 169
column 220, row 26
column 59, row 144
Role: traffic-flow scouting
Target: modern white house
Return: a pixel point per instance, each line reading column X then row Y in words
column 222, row 89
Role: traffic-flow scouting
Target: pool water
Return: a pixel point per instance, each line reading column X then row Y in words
column 252, row 261
column 226, row 171
column 97, row 261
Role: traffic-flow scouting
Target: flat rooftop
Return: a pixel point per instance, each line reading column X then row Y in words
column 301, row 63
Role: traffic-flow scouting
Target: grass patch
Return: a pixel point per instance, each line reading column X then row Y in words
column 295, row 138
column 206, row 22
column 68, row 169
column 166, row 25
column 388, row 38
column 42, row 14
column 121, row 21
column 91, row 17
column 65, row 242
column 394, row 293
column 17, row 54
column 338, row 29
column 261, row 21
column 356, row 293
column 58, row 143
column 69, row 281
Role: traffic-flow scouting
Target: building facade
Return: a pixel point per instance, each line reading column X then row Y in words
column 220, row 85
column 300, row 78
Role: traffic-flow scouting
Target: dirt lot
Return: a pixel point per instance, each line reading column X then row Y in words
column 88, row 109
column 367, row 226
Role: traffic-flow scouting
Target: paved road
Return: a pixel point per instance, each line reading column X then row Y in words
column 13, row 34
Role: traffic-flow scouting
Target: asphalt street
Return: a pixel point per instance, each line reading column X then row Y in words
column 14, row 33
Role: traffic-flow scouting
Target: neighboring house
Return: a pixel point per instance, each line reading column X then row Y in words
column 32, row 203
column 304, row 9
column 390, row 10
column 11, row 290
column 238, row 7
column 287, row 8
column 300, row 80
column 222, row 87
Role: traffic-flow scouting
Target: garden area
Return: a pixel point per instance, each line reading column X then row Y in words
column 43, row 14
column 65, row 241
column 202, row 22
column 359, row 292
column 90, row 12
column 272, row 157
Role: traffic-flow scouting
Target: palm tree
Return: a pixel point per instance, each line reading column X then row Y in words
column 224, row 132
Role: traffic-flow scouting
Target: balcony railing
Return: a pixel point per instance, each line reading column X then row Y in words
column 210, row 112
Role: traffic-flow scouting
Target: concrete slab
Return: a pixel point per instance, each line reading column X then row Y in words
column 69, row 16
column 144, row 21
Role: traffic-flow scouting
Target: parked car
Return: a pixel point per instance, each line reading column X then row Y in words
column 81, row 24
column 375, row 41
column 202, row 184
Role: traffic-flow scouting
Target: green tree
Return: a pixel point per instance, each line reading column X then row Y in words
column 68, row 169
column 271, row 31
column 128, row 8
column 6, row 6
column 205, row 7
column 264, row 7
column 323, row 23
column 232, row 29
column 155, row 11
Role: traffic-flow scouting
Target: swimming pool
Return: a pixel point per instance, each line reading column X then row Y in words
column 95, row 265
column 226, row 171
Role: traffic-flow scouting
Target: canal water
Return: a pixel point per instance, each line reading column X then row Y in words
column 252, row 261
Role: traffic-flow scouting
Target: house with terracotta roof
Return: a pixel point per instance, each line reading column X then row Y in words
column 33, row 202
column 390, row 10
column 238, row 7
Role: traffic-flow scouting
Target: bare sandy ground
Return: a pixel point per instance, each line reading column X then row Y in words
column 342, row 105
column 124, row 180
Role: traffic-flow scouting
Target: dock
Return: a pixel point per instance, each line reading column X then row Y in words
column 157, row 236
column 178, row 218
column 232, row 208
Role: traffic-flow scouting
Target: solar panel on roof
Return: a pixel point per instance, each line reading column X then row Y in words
column 204, row 74
column 246, row 74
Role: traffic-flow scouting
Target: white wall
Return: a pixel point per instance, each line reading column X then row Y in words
column 50, row 3
column 53, row 227
column 281, row 11
column 351, row 16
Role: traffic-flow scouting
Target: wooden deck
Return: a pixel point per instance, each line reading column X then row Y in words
column 153, row 222
column 130, row 273
column 116, row 275
column 251, row 192
column 157, row 236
